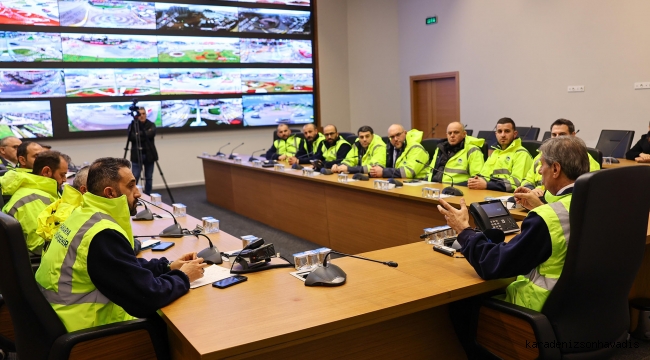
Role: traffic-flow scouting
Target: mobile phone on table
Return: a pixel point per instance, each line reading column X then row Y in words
column 229, row 281
column 162, row 246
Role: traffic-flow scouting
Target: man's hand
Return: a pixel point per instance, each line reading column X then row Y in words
column 477, row 183
column 194, row 269
column 293, row 160
column 642, row 159
column 644, row 156
column 182, row 260
column 539, row 192
column 282, row 157
column 528, row 198
column 341, row 168
column 457, row 219
column 376, row 171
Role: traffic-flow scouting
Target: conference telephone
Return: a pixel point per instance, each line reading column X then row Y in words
column 493, row 215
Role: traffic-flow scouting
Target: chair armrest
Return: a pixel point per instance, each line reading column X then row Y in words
column 125, row 339
column 6, row 328
column 530, row 330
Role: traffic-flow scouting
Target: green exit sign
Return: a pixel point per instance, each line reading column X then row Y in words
column 432, row 20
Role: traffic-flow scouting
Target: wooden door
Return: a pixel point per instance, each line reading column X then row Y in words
column 435, row 100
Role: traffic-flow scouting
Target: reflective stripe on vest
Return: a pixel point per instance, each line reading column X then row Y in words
column 65, row 296
column 456, row 171
column 27, row 199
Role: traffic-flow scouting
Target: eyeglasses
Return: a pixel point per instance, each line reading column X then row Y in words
column 396, row 135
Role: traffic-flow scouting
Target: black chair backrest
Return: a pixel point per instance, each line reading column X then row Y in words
column 351, row 139
column 469, row 132
column 484, row 150
column 489, row 136
column 36, row 324
column 546, row 136
column 386, row 140
column 590, row 300
column 597, row 155
column 293, row 131
column 346, row 134
column 531, row 146
column 528, row 133
column 615, row 143
column 430, row 146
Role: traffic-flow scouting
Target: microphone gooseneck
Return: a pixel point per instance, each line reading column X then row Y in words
column 174, row 230
column 251, row 159
column 233, row 150
column 219, row 151
column 449, row 190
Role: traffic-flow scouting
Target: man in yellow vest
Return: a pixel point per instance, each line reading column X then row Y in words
column 367, row 151
column 405, row 156
column 536, row 256
column 90, row 274
column 335, row 148
column 9, row 152
column 27, row 152
column 311, row 145
column 286, row 146
column 32, row 192
column 505, row 169
column 458, row 158
column 533, row 179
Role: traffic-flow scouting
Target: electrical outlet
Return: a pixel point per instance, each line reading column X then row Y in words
column 576, row 88
column 641, row 85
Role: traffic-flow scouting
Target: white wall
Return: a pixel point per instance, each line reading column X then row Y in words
column 516, row 58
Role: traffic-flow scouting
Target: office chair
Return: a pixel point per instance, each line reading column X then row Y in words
column 528, row 133
column 7, row 344
column 546, row 136
column 589, row 302
column 489, row 136
column 484, row 149
column 430, row 146
column 386, row 140
column 469, row 132
column 597, row 155
column 351, row 139
column 39, row 332
column 615, row 143
column 531, row 146
column 345, row 135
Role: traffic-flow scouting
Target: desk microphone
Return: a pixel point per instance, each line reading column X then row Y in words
column 219, row 151
column 332, row 275
column 449, row 190
column 144, row 215
column 174, row 230
column 254, row 245
column 211, row 254
column 233, row 150
column 320, row 166
column 297, row 165
column 612, row 159
column 526, row 134
column 251, row 159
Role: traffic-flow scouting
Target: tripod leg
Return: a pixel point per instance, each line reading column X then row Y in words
column 165, row 182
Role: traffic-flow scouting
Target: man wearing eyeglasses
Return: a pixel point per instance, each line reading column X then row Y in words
column 9, row 152
column 405, row 156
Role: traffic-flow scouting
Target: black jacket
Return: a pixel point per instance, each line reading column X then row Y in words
column 147, row 135
column 642, row 146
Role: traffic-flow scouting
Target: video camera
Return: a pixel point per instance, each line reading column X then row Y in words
column 134, row 108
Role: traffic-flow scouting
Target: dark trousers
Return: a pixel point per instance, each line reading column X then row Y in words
column 148, row 174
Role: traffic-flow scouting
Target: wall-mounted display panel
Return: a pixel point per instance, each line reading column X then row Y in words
column 25, row 119
column 267, row 110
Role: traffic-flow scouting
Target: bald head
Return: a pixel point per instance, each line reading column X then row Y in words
column 397, row 135
column 331, row 134
column 283, row 131
column 455, row 133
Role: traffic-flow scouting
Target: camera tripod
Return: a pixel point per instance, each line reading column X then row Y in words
column 135, row 125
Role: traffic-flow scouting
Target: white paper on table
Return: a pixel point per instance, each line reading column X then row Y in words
column 418, row 183
column 212, row 273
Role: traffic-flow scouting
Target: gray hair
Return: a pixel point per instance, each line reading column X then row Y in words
column 568, row 151
column 5, row 140
column 80, row 178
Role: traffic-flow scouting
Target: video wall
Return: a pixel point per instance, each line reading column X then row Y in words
column 71, row 68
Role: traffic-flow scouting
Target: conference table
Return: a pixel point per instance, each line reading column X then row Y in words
column 379, row 312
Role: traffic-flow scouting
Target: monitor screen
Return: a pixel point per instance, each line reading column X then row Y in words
column 109, row 48
column 195, row 17
column 186, row 49
column 108, row 116
column 113, row 14
column 22, row 12
column 30, row 46
column 31, row 83
column 25, row 119
column 494, row 209
column 276, row 51
column 202, row 113
column 111, row 82
column 200, row 81
column 274, row 21
column 277, row 80
column 265, row 110
column 279, row 2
